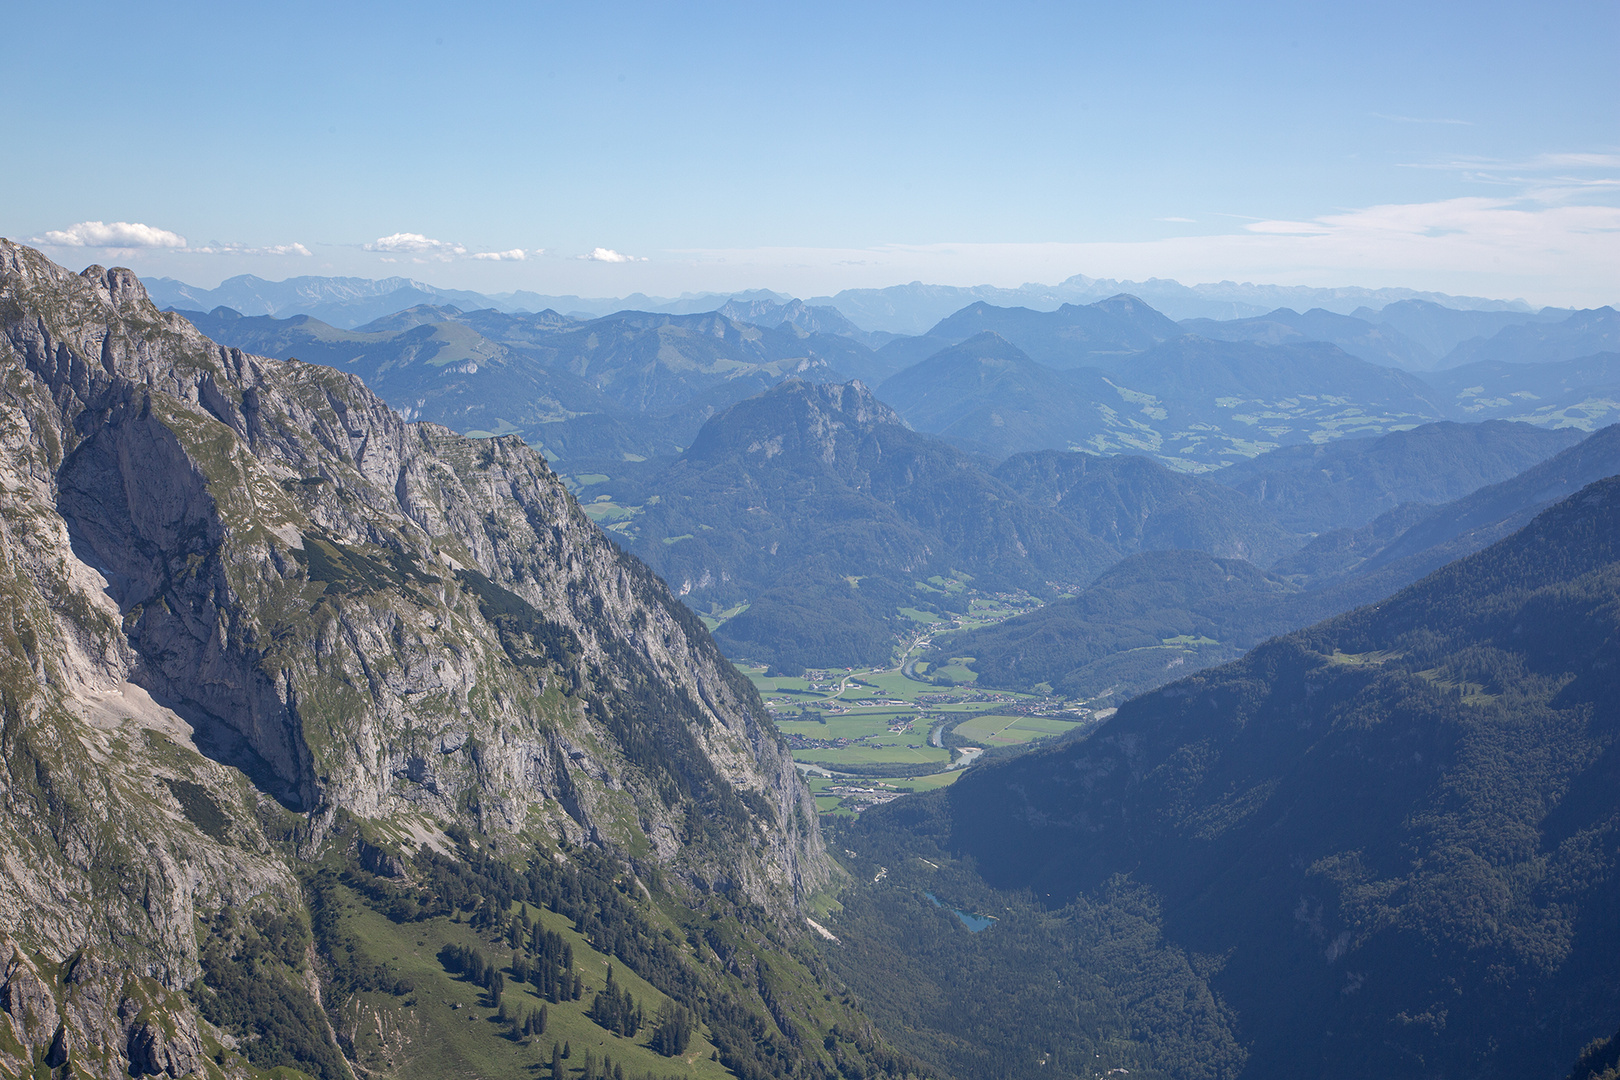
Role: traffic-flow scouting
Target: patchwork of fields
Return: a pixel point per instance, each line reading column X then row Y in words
column 864, row 737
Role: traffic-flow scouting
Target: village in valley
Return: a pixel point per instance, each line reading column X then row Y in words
column 866, row 736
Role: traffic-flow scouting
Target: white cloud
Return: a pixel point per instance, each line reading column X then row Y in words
column 243, row 249
column 119, row 234
column 130, row 236
column 415, row 244
column 425, row 249
column 1549, row 253
column 608, row 255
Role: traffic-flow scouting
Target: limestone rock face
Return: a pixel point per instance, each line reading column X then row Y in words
column 153, row 1051
column 228, row 582
column 29, row 1005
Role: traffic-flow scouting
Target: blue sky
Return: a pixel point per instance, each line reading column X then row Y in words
column 1470, row 148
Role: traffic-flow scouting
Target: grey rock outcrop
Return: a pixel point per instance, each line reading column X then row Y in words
column 226, row 580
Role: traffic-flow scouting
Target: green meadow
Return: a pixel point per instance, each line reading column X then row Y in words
column 875, row 734
column 998, row 730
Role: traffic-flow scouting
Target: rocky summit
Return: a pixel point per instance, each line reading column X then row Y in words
column 252, row 617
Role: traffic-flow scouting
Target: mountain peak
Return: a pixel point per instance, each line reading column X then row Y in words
column 794, row 416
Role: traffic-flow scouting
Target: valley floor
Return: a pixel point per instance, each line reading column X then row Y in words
column 864, row 737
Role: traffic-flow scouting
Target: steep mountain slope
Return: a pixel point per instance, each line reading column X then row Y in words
column 1072, row 336
column 1583, row 333
column 427, row 365
column 1410, row 541
column 1600, row 1060
column 986, row 393
column 1153, row 619
column 818, row 508
column 1397, row 829
column 1193, row 403
column 1438, row 329
column 1347, row 483
column 1360, row 338
column 230, row 578
column 1582, row 393
column 1135, row 504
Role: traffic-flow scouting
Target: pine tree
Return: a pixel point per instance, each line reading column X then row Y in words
column 556, row 1061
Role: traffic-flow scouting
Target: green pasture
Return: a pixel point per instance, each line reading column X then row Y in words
column 926, row 757
column 1003, row 730
column 855, row 716
column 895, row 685
column 956, row 671
column 845, row 727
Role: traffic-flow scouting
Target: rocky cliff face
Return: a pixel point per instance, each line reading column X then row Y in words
column 227, row 579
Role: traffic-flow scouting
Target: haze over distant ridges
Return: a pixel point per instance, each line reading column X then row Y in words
column 900, row 309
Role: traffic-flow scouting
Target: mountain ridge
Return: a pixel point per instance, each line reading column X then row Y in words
column 270, row 646
column 1407, row 808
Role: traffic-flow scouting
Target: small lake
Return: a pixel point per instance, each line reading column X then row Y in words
column 973, row 921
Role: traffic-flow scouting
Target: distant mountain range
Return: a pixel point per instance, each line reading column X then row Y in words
column 911, row 309
column 807, row 525
column 634, row 383
column 348, row 302
column 1113, row 376
column 1074, row 335
column 1117, row 376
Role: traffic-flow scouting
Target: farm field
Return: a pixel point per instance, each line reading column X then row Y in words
column 867, row 736
column 999, row 730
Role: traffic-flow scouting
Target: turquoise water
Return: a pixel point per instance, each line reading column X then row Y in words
column 973, row 921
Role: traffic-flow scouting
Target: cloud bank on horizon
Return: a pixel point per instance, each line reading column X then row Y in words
column 1475, row 245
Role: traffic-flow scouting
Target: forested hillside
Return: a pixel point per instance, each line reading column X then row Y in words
column 1393, row 835
column 1150, row 620
column 1348, row 482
